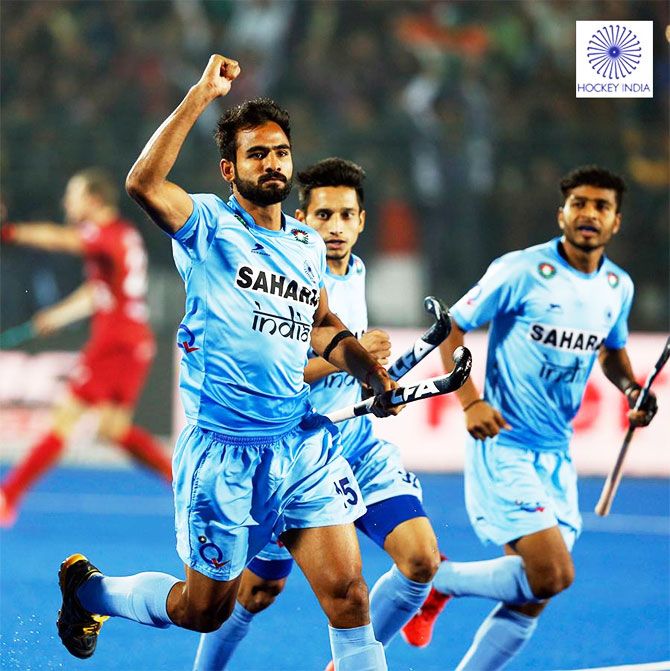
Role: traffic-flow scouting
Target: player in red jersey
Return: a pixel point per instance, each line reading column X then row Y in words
column 115, row 361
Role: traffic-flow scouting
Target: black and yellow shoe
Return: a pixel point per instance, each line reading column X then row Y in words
column 77, row 628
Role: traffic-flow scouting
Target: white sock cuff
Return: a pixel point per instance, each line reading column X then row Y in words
column 369, row 658
column 241, row 613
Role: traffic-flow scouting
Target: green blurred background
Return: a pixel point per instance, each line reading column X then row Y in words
column 463, row 114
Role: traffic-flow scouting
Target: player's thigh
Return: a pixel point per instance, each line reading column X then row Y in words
column 413, row 547
column 66, row 413
column 542, row 548
column 114, row 420
column 547, row 561
column 329, row 556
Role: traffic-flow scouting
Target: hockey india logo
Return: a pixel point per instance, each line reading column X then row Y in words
column 546, row 270
column 614, row 51
column 613, row 280
column 300, row 235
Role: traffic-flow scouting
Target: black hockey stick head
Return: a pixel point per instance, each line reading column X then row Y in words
column 442, row 326
column 435, row 386
column 462, row 358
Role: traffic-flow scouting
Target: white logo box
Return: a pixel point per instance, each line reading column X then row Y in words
column 614, row 59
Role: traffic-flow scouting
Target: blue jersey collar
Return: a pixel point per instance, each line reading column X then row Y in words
column 346, row 275
column 556, row 247
column 248, row 220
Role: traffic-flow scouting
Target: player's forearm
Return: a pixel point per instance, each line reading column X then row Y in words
column 617, row 367
column 47, row 236
column 348, row 354
column 167, row 204
column 160, row 152
column 351, row 357
column 468, row 392
column 318, row 368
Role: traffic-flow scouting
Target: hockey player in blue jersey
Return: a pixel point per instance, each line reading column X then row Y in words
column 553, row 310
column 332, row 202
column 255, row 461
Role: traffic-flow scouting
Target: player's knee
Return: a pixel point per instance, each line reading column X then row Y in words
column 552, row 579
column 421, row 564
column 348, row 602
column 262, row 596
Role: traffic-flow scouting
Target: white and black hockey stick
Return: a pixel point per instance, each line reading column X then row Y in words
column 434, row 386
column 611, row 485
column 425, row 344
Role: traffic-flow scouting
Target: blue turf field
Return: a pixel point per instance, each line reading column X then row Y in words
column 617, row 612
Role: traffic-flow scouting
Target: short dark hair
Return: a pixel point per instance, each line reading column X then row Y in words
column 100, row 183
column 592, row 175
column 331, row 172
column 251, row 114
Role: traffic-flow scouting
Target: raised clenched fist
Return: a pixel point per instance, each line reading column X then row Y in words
column 219, row 75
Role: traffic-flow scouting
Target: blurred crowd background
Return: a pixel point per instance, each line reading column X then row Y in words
column 463, row 114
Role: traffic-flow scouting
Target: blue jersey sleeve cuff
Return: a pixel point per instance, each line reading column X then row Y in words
column 460, row 321
column 187, row 229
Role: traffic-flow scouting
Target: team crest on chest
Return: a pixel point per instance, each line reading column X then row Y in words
column 546, row 270
column 300, row 235
column 613, row 280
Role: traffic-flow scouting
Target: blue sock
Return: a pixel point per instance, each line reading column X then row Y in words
column 393, row 601
column 356, row 649
column 499, row 638
column 502, row 579
column 141, row 597
column 217, row 648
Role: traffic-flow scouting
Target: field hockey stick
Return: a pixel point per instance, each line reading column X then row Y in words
column 17, row 335
column 426, row 343
column 434, row 386
column 614, row 478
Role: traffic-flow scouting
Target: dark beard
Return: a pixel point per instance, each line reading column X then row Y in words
column 262, row 195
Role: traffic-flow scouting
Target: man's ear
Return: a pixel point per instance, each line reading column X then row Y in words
column 362, row 224
column 227, row 170
column 559, row 218
column 300, row 215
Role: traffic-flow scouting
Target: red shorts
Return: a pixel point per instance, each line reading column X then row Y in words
column 113, row 369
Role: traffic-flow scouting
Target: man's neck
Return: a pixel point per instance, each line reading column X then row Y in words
column 266, row 216
column 586, row 261
column 339, row 266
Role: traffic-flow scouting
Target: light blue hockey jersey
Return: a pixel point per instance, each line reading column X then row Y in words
column 547, row 322
column 251, row 295
column 346, row 298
